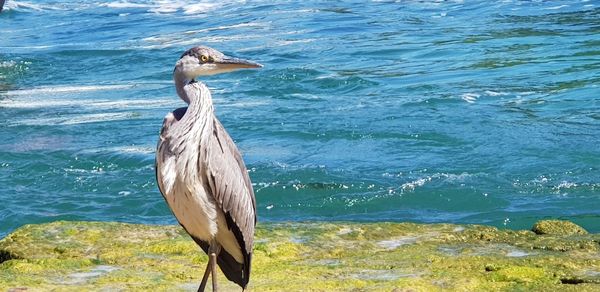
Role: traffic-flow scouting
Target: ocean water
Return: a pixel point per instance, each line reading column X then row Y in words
column 425, row 111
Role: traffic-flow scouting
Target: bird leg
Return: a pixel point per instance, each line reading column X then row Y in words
column 205, row 277
column 213, row 263
column 211, row 268
column 213, row 252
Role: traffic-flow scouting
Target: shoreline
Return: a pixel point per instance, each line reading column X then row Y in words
column 323, row 256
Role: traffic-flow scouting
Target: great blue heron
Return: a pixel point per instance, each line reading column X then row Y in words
column 201, row 174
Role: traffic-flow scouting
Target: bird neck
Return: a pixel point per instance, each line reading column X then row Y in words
column 200, row 111
column 180, row 82
column 193, row 92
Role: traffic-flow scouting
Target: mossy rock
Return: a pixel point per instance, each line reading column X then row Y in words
column 557, row 227
column 75, row 256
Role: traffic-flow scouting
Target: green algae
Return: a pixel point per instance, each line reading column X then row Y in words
column 74, row 256
column 557, row 227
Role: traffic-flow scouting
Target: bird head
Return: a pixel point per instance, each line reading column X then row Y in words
column 202, row 61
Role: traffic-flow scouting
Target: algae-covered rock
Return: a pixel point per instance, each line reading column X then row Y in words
column 76, row 256
column 557, row 227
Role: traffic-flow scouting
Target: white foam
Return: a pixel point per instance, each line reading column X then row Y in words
column 565, row 185
column 133, row 149
column 124, row 4
column 18, row 5
column 76, row 119
column 8, row 103
column 37, row 103
column 198, row 8
column 124, row 193
column 145, row 150
column 164, row 7
column 453, row 177
column 179, row 41
column 410, row 186
column 66, row 89
column 306, row 96
column 187, row 7
column 241, row 104
column 527, row 92
column 447, row 177
column 470, row 97
column 226, row 27
column 495, row 93
column 292, row 42
column 40, row 47
column 7, row 64
column 556, row 7
column 187, row 39
column 62, row 96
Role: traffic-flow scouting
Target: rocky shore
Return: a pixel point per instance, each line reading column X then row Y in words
column 74, row 256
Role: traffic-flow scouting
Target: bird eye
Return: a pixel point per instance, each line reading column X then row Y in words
column 203, row 58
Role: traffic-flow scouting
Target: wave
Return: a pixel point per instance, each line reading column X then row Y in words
column 165, row 7
column 185, row 41
column 39, row 47
column 556, row 7
column 88, row 103
column 472, row 97
column 125, row 4
column 62, row 96
column 27, row 6
column 187, row 38
column 66, row 89
column 130, row 149
column 7, row 64
column 447, row 177
column 239, row 104
column 158, row 6
column 77, row 119
column 134, row 149
column 186, row 8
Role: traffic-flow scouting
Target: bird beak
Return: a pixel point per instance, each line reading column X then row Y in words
column 230, row 64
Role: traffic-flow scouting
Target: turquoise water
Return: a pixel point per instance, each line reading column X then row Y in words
column 467, row 112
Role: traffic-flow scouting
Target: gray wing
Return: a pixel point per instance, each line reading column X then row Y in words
column 232, row 189
column 164, row 155
column 230, row 183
